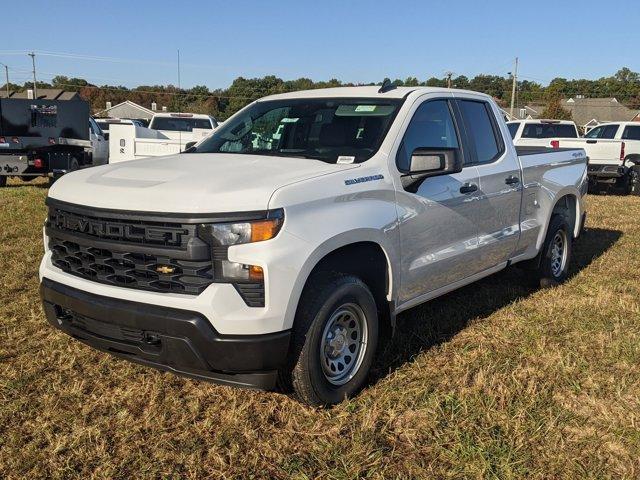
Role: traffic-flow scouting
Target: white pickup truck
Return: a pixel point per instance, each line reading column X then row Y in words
column 614, row 155
column 286, row 263
column 168, row 134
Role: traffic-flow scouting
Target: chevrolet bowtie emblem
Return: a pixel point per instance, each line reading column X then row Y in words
column 165, row 269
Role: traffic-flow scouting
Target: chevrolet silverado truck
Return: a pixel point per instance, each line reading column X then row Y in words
column 614, row 156
column 284, row 262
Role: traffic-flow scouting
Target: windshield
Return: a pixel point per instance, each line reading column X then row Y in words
column 179, row 124
column 549, row 130
column 323, row 129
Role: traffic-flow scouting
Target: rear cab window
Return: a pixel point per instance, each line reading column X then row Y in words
column 549, row 130
column 482, row 130
column 180, row 124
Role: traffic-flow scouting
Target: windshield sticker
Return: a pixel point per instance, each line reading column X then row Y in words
column 370, row 178
column 345, row 159
column 289, row 120
column 365, row 108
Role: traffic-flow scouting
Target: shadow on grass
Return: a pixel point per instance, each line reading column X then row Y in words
column 33, row 183
column 437, row 321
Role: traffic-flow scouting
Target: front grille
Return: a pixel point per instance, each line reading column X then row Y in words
column 146, row 252
column 134, row 270
column 133, row 253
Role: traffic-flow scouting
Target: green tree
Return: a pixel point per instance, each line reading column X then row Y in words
column 555, row 111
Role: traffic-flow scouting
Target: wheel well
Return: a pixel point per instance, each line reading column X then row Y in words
column 567, row 207
column 367, row 261
column 634, row 158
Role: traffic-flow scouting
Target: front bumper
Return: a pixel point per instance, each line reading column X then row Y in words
column 179, row 341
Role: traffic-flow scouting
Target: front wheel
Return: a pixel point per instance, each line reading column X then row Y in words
column 556, row 253
column 334, row 340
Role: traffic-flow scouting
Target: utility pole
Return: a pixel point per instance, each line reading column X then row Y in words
column 513, row 87
column 35, row 84
column 449, row 75
column 6, row 72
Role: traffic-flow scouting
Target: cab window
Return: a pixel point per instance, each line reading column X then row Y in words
column 431, row 126
column 603, row 131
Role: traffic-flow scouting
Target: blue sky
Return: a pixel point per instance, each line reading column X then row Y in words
column 357, row 41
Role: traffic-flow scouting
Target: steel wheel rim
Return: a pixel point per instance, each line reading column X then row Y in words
column 344, row 343
column 558, row 253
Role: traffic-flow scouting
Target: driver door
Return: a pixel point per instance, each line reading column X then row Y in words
column 438, row 231
column 99, row 145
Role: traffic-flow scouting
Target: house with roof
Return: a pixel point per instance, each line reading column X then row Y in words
column 42, row 94
column 526, row 112
column 589, row 112
column 126, row 109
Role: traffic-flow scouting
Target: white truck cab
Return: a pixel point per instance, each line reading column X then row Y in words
column 540, row 133
column 188, row 126
column 279, row 249
column 99, row 143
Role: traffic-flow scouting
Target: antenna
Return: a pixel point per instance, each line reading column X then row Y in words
column 386, row 86
column 179, row 102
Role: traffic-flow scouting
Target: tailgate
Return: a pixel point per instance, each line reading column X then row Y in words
column 599, row 150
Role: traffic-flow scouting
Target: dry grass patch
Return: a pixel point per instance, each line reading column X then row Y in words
column 495, row 380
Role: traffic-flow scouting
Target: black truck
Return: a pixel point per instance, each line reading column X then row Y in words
column 43, row 138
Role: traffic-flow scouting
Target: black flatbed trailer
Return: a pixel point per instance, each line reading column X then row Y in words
column 43, row 137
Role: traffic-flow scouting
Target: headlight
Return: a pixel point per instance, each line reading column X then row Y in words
column 220, row 236
column 226, row 234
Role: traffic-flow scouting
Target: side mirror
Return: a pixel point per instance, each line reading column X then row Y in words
column 105, row 135
column 431, row 162
column 188, row 146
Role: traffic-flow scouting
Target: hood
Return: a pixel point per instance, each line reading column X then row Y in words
column 188, row 183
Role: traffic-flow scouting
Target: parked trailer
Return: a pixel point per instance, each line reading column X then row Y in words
column 43, row 138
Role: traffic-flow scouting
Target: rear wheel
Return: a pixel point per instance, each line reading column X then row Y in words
column 555, row 254
column 334, row 340
column 634, row 180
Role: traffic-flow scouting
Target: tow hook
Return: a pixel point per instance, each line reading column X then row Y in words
column 152, row 339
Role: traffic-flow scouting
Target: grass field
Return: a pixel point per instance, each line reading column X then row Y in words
column 496, row 380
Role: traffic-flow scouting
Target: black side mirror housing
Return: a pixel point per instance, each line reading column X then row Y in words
column 188, row 146
column 431, row 162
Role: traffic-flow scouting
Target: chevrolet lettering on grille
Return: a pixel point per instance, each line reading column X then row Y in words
column 119, row 231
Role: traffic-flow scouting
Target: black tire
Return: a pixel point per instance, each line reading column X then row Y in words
column 325, row 299
column 549, row 274
column 3, row 181
column 73, row 166
column 634, row 181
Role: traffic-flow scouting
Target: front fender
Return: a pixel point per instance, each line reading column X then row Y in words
column 331, row 245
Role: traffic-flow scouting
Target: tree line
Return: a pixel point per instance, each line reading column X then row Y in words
column 221, row 103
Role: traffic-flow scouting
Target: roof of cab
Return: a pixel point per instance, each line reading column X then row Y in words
column 364, row 92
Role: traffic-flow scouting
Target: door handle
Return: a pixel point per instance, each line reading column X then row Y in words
column 468, row 188
column 511, row 180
